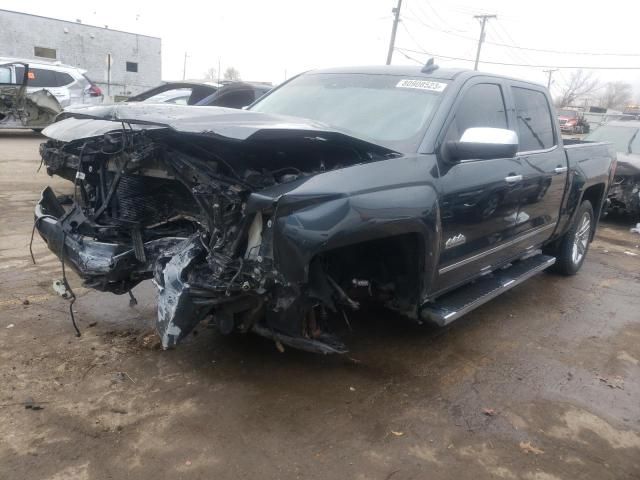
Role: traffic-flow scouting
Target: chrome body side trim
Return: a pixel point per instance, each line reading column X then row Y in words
column 502, row 246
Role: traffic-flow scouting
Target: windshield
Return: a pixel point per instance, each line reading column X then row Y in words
column 388, row 110
column 567, row 113
column 620, row 136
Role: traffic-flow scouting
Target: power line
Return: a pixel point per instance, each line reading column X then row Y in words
column 517, row 47
column 424, row 52
column 408, row 57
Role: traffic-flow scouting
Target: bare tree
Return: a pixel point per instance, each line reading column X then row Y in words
column 616, row 95
column 231, row 74
column 211, row 75
column 579, row 85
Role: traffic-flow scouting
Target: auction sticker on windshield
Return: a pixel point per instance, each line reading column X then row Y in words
column 422, row 85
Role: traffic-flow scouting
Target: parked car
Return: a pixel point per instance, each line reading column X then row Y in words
column 429, row 191
column 20, row 108
column 230, row 95
column 69, row 86
column 181, row 93
column 624, row 194
column 236, row 95
column 572, row 121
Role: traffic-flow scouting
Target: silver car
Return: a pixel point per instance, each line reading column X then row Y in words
column 48, row 83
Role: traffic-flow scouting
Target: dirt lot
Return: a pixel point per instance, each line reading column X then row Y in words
column 542, row 383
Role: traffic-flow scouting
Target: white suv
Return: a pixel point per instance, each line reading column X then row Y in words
column 68, row 84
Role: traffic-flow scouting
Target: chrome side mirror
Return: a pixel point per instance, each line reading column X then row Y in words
column 482, row 143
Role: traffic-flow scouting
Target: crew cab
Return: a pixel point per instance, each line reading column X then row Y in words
column 428, row 191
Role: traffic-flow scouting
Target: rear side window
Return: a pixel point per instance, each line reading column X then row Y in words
column 5, row 75
column 535, row 124
column 63, row 79
column 237, row 99
column 481, row 106
column 38, row 77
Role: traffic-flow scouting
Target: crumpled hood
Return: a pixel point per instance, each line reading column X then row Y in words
column 628, row 164
column 216, row 122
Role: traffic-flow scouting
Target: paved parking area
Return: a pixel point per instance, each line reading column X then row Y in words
column 542, row 383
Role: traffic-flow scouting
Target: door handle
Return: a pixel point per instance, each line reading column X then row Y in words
column 513, row 178
column 560, row 169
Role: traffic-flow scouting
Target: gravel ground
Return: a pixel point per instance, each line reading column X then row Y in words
column 542, row 383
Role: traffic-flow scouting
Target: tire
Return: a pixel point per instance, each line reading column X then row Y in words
column 574, row 245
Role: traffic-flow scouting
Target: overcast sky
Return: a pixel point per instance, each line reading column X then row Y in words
column 268, row 40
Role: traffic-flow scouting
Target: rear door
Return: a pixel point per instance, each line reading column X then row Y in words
column 40, row 78
column 479, row 198
column 543, row 161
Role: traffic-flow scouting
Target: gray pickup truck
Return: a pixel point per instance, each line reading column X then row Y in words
column 428, row 191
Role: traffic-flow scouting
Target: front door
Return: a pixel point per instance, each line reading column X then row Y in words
column 480, row 198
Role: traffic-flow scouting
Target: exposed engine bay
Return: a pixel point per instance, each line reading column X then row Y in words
column 624, row 192
column 205, row 217
column 20, row 109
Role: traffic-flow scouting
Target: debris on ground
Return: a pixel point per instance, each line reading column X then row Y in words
column 632, row 254
column 397, row 434
column 11, row 325
column 26, row 301
column 30, row 404
column 60, row 288
column 528, row 448
column 635, row 229
column 151, row 341
column 615, row 382
column 122, row 377
column 489, row 412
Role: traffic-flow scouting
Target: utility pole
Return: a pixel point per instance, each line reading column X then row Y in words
column 184, row 67
column 394, row 28
column 483, row 21
column 549, row 73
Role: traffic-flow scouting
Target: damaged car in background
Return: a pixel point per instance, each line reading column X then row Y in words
column 624, row 194
column 394, row 185
column 20, row 108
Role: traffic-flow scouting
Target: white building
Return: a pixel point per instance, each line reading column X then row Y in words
column 121, row 63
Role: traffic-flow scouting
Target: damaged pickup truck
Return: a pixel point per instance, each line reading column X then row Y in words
column 428, row 191
column 20, row 108
column 624, row 194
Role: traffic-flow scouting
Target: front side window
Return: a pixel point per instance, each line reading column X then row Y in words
column 482, row 106
column 534, row 120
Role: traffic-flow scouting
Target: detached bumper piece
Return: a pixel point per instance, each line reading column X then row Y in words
column 108, row 267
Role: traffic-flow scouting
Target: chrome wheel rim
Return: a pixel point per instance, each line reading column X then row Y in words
column 581, row 239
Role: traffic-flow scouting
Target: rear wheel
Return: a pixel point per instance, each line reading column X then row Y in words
column 573, row 247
